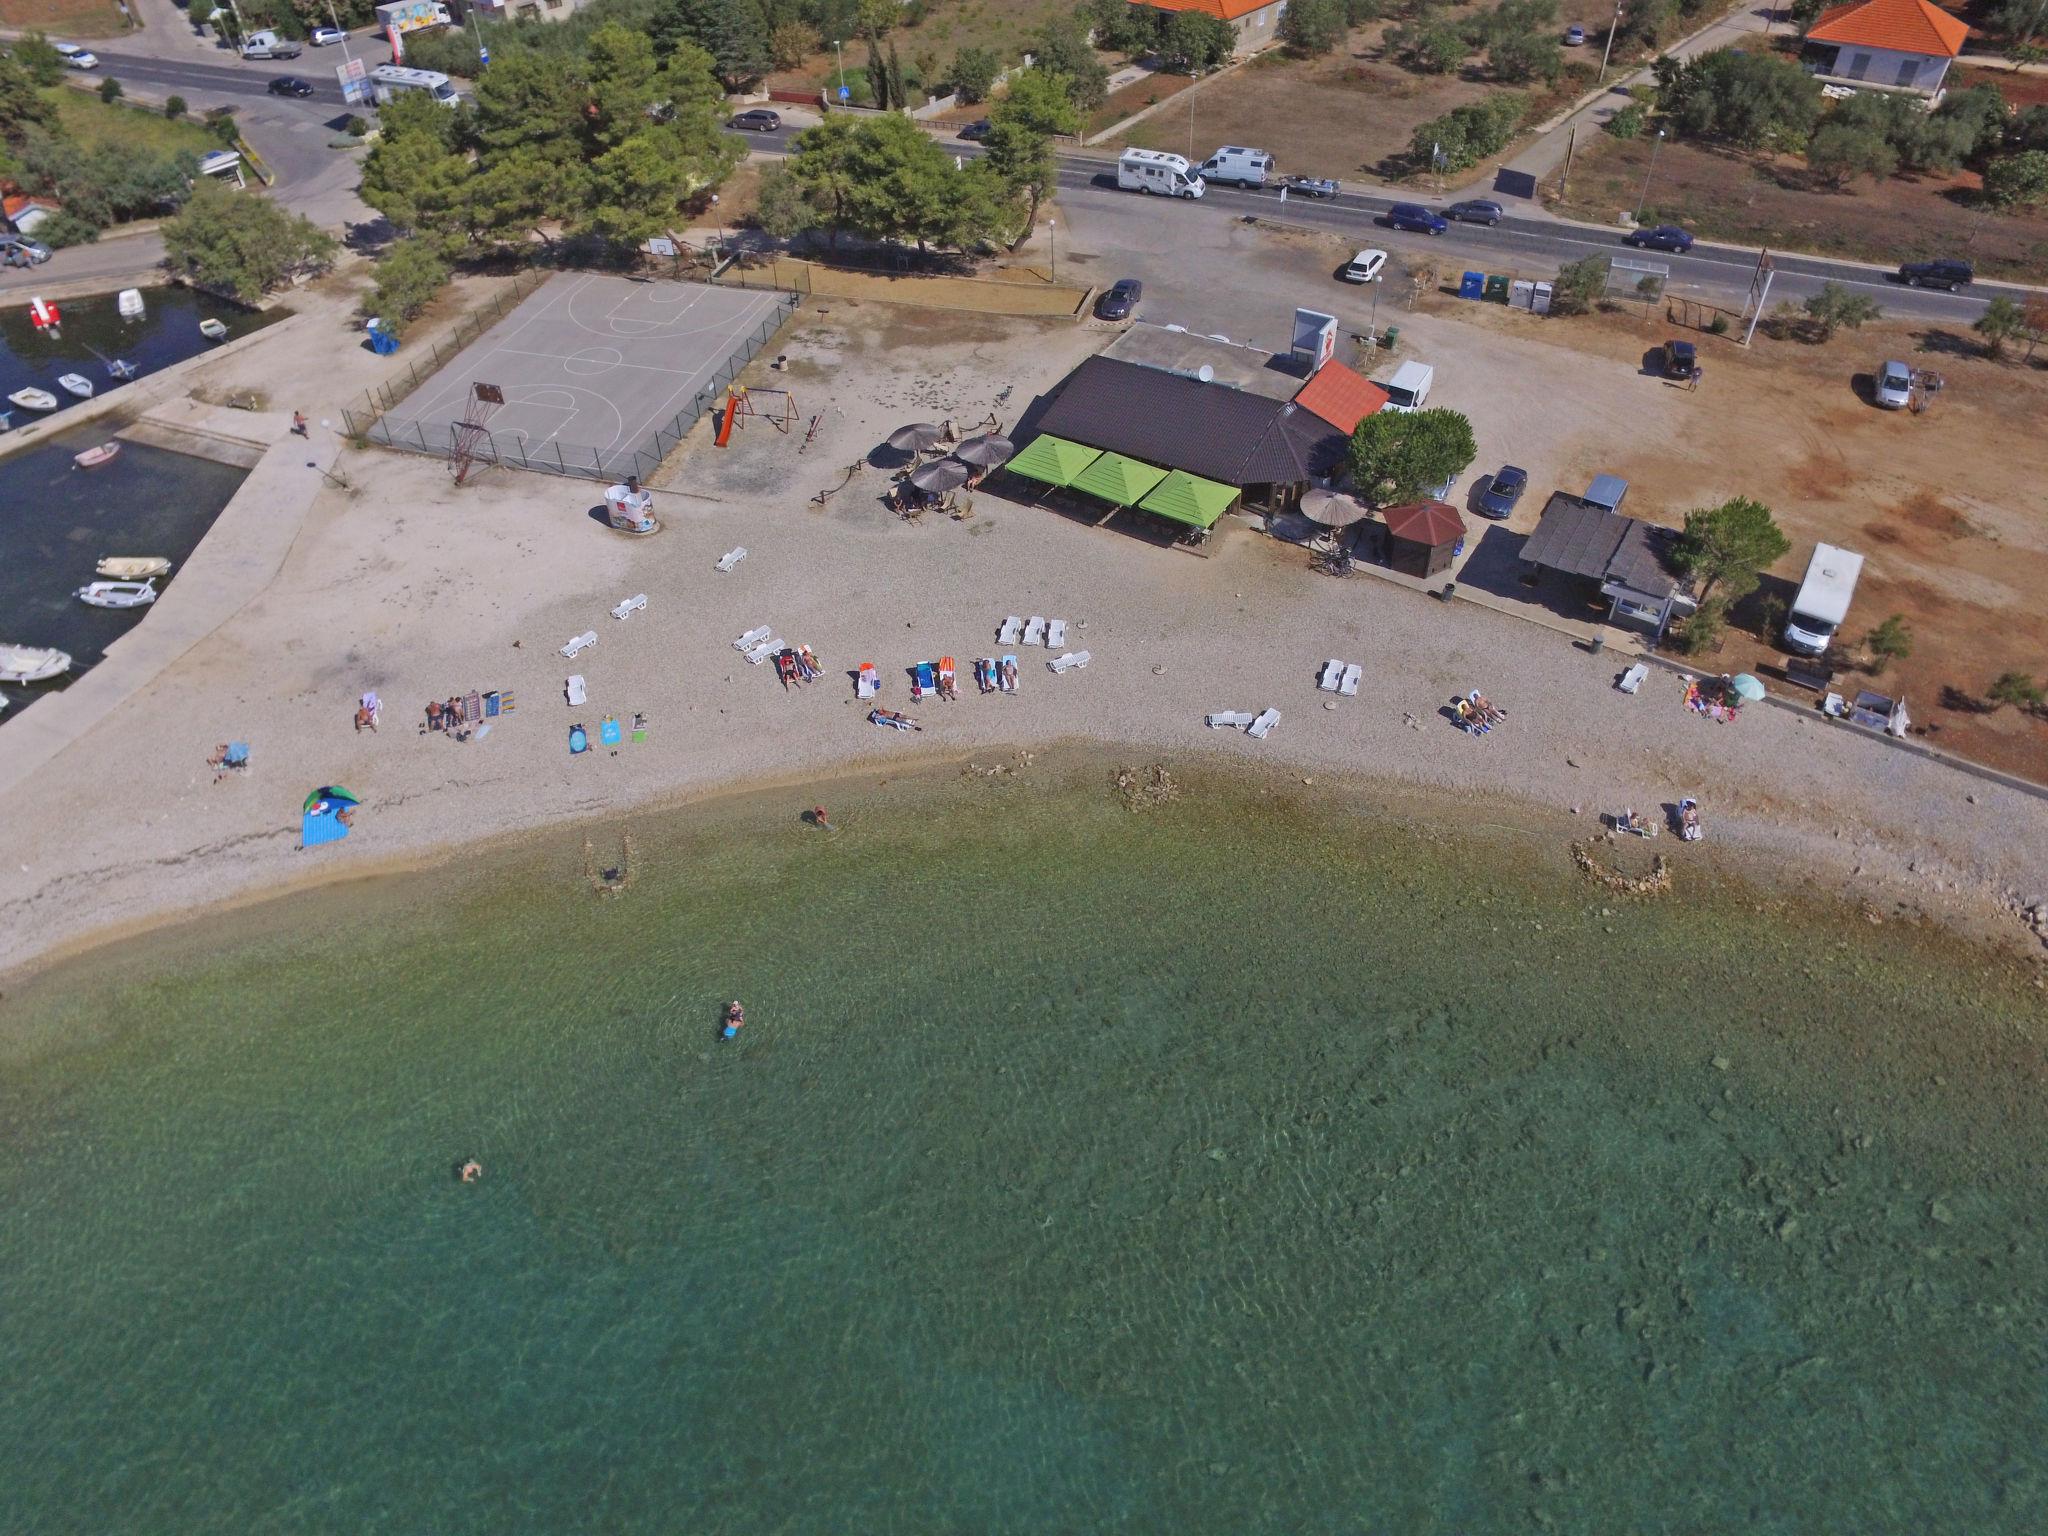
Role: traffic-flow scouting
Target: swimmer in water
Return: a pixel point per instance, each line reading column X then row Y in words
column 471, row 1171
column 735, row 1018
column 818, row 818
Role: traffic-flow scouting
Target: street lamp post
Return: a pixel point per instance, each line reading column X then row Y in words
column 1648, row 174
column 840, row 54
column 335, row 21
column 1606, row 53
column 1052, row 233
column 1376, row 308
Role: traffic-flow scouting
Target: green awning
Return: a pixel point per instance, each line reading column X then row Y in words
column 1189, row 499
column 1117, row 480
column 1053, row 460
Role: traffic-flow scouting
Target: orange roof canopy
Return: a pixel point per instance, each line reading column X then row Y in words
column 1340, row 396
column 1898, row 26
column 1222, row 10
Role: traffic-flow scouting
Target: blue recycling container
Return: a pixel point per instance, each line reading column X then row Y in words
column 1472, row 285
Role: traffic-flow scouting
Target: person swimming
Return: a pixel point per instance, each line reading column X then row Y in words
column 470, row 1171
column 735, row 1020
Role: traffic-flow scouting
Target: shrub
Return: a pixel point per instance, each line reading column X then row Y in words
column 1835, row 307
column 1718, row 326
column 1842, row 151
column 409, row 274
column 2017, row 181
column 1749, row 100
column 974, row 73
column 2016, row 688
column 1465, row 135
column 1313, row 27
column 2003, row 320
column 174, row 106
column 356, row 127
column 1525, row 56
column 1579, row 285
column 1701, row 632
column 1891, row 641
column 110, row 90
column 1628, row 122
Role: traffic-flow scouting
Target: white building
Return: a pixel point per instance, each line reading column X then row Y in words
column 1885, row 45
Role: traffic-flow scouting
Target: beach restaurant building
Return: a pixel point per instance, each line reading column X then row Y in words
column 1628, row 559
column 1185, row 448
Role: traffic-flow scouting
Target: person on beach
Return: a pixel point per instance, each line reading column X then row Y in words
column 299, row 424
column 735, row 1020
column 366, row 719
column 433, row 715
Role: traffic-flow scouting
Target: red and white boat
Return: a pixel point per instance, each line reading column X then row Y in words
column 93, row 457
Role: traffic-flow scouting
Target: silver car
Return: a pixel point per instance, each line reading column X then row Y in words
column 1895, row 386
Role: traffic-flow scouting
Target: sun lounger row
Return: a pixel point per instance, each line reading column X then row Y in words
column 1069, row 661
column 1050, row 633
column 1338, row 677
column 1258, row 726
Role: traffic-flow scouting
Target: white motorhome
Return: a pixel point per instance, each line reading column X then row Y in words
column 1245, row 167
column 1153, row 170
column 391, row 80
column 1408, row 389
column 1823, row 601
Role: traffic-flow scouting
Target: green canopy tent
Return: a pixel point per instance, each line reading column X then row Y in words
column 1117, row 480
column 1190, row 499
column 1052, row 460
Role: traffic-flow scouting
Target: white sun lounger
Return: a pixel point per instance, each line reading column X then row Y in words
column 732, row 558
column 1034, row 631
column 1055, row 634
column 631, row 605
column 1233, row 718
column 578, row 693
column 1262, row 727
column 752, row 638
column 1632, row 679
column 1349, row 686
column 1069, row 661
column 580, row 644
column 763, row 651
column 1013, row 628
column 1333, row 673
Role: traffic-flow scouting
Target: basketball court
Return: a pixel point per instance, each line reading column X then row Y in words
column 600, row 375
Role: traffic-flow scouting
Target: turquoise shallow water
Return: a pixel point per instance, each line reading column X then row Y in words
column 1234, row 1166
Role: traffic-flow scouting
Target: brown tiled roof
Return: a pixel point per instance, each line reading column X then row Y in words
column 1434, row 523
column 1899, row 26
column 1340, row 396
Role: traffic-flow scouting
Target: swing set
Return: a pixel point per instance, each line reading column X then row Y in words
column 740, row 403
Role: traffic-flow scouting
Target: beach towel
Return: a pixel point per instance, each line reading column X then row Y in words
column 608, row 732
column 237, row 755
column 578, row 740
column 985, row 674
column 868, row 683
column 322, row 826
column 1006, row 674
column 921, row 680
column 639, row 728
column 473, row 708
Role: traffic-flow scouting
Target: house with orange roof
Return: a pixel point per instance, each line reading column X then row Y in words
column 1256, row 22
column 1885, row 45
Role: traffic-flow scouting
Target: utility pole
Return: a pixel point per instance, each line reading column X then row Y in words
column 1606, row 53
column 1571, row 144
column 1764, row 273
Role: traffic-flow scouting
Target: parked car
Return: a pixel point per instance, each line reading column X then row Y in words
column 323, row 37
column 1680, row 358
column 1660, row 237
column 1310, row 186
column 1943, row 273
column 1895, row 386
column 1363, row 267
column 75, row 57
column 975, row 131
column 1476, row 210
column 20, row 251
column 1575, row 37
column 1416, row 217
column 757, row 120
column 290, row 85
column 1503, row 491
column 1119, row 299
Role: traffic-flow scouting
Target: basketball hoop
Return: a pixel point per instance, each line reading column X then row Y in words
column 484, row 400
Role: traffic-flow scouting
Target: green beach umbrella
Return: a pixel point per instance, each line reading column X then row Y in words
column 1053, row 460
column 1115, row 479
column 334, row 793
column 1189, row 499
column 1748, row 687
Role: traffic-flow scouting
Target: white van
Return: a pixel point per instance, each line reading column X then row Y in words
column 1408, row 389
column 1233, row 163
column 1823, row 601
column 391, row 80
column 1153, row 170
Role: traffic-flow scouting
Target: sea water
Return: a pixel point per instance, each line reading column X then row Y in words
column 1258, row 1161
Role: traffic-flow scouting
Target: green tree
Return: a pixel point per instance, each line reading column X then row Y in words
column 1579, row 285
column 1836, row 307
column 1396, row 456
column 1427, row 47
column 1019, row 144
column 1806, row 12
column 38, row 58
column 783, row 207
column 735, row 33
column 790, row 43
column 1726, row 546
column 110, row 90
column 22, row 106
column 1465, row 135
column 1122, row 27
column 2003, row 320
column 1891, row 641
column 824, row 166
column 635, row 187
column 174, row 107
column 1194, row 42
column 1525, row 56
column 408, row 276
column 974, row 73
column 1061, row 48
column 1841, row 153
column 234, row 243
column 2017, row 181
column 2016, row 688
column 1749, row 100
column 2014, row 20
column 1312, row 28
column 1701, row 631
column 416, row 176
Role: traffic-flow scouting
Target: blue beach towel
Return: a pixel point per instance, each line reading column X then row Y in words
column 578, row 741
column 608, row 733
column 317, row 827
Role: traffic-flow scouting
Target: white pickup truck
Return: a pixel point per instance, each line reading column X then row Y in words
column 268, row 45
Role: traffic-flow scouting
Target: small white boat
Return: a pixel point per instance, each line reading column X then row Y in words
column 121, row 368
column 34, row 399
column 117, row 594
column 213, row 330
column 130, row 303
column 31, row 664
column 94, row 457
column 75, row 383
column 133, row 567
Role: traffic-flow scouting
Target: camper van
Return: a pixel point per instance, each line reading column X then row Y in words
column 1153, row 170
column 391, row 80
column 1823, row 600
column 1245, row 167
column 1408, row 389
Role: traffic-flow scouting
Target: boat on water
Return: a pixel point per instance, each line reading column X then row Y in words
column 121, row 368
column 76, row 384
column 133, row 567
column 93, row 457
column 34, row 399
column 130, row 303
column 213, row 330
column 31, row 664
column 117, row 594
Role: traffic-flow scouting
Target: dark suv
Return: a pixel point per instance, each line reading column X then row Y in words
column 1416, row 217
column 1945, row 273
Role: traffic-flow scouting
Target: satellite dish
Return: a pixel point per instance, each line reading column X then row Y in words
column 1206, row 374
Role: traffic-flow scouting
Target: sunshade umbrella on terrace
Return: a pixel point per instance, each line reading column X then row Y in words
column 1117, row 480
column 941, row 476
column 916, row 437
column 986, row 451
column 1053, row 460
column 1333, row 509
column 1747, row 686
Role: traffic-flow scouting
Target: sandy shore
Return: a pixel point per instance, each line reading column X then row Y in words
column 404, row 584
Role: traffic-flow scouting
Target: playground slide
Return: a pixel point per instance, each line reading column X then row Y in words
column 732, row 409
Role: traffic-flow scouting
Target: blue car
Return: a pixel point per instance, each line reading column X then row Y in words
column 1414, row 216
column 1664, row 237
column 1503, row 491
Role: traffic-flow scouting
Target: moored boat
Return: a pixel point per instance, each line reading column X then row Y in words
column 213, row 330
column 93, row 457
column 117, row 594
column 34, row 399
column 75, row 383
column 31, row 663
column 130, row 303
column 133, row 567
column 121, row 368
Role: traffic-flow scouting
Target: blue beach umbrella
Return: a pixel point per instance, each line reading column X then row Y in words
column 1747, row 686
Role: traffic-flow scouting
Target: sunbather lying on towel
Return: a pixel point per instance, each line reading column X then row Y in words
column 1487, row 712
column 1009, row 671
column 889, row 717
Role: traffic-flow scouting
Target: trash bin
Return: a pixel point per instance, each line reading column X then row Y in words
column 1472, row 285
